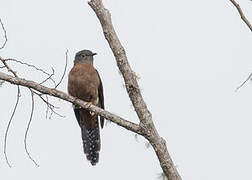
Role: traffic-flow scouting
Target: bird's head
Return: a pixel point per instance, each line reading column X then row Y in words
column 84, row 56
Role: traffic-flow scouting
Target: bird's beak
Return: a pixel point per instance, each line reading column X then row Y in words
column 94, row 54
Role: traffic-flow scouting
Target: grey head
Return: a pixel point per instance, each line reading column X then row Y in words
column 84, row 56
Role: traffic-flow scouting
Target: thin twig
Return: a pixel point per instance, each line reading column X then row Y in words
column 64, row 70
column 38, row 69
column 17, row 101
column 49, row 105
column 47, row 108
column 5, row 34
column 49, row 77
column 242, row 14
column 248, row 78
column 8, row 67
column 8, row 127
column 29, row 65
column 27, row 129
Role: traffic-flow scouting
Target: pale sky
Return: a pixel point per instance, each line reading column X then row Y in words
column 190, row 55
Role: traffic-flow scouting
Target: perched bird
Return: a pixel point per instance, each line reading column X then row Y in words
column 85, row 83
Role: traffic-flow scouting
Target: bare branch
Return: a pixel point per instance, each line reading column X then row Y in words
column 130, row 79
column 36, row 68
column 49, row 105
column 62, row 77
column 242, row 14
column 5, row 34
column 49, row 77
column 122, row 61
column 12, row 115
column 8, row 127
column 8, row 67
column 27, row 129
column 59, row 94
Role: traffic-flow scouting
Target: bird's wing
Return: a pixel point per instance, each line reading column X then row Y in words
column 101, row 99
column 77, row 115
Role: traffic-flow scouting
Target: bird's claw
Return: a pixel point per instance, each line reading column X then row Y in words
column 89, row 104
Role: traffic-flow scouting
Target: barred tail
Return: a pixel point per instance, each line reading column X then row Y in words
column 91, row 143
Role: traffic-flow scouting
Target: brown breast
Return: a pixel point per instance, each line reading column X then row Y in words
column 83, row 82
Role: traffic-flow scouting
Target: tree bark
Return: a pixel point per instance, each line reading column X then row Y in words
column 131, row 84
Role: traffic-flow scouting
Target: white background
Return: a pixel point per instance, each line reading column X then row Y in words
column 190, row 55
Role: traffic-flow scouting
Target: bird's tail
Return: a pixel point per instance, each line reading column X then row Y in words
column 91, row 142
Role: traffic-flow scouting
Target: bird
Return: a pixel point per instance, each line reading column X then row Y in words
column 84, row 83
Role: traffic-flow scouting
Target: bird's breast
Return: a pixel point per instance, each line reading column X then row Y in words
column 83, row 82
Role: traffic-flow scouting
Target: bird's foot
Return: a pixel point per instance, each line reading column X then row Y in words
column 91, row 113
column 89, row 104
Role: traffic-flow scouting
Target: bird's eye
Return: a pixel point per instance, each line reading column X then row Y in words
column 83, row 55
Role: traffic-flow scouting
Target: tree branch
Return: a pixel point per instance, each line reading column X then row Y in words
column 241, row 14
column 5, row 34
column 34, row 67
column 131, row 84
column 27, row 130
column 8, row 127
column 59, row 94
column 62, row 77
